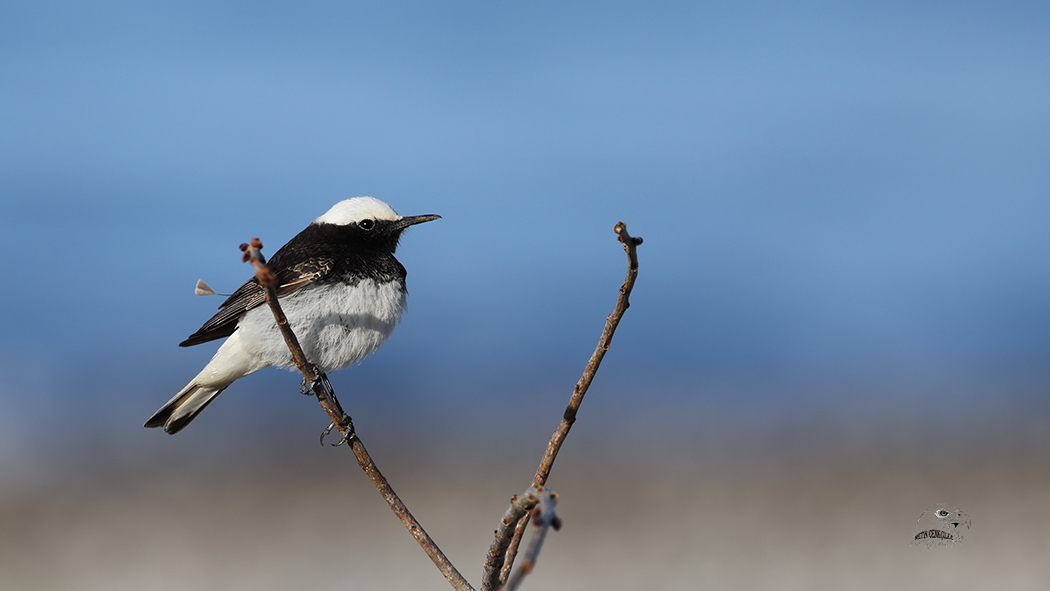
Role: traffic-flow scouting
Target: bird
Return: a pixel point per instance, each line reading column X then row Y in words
column 340, row 287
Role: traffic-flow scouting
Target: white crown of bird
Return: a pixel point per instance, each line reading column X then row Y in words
column 355, row 209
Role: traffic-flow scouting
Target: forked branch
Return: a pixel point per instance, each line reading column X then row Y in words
column 543, row 518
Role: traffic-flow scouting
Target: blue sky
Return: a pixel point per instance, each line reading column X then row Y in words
column 853, row 195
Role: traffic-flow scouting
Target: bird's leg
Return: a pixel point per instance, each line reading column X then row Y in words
column 327, row 385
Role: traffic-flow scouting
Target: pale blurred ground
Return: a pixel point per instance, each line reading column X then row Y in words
column 813, row 506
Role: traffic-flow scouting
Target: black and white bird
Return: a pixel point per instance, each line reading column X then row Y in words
column 340, row 287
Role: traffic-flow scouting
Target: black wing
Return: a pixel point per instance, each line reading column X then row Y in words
column 250, row 295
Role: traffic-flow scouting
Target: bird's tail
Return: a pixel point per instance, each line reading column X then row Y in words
column 184, row 407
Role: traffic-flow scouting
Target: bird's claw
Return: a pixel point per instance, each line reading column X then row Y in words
column 343, row 439
column 347, row 431
column 326, row 431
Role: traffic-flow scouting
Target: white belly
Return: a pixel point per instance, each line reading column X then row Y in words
column 336, row 325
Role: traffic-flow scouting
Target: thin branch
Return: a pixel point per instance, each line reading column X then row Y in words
column 543, row 518
column 340, row 420
column 630, row 246
column 317, row 381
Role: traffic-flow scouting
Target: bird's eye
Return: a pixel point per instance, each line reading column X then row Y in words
column 942, row 513
column 367, row 224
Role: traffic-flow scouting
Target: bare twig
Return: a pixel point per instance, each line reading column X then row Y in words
column 630, row 246
column 543, row 518
column 326, row 398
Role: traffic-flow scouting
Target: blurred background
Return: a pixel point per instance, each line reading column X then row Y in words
column 841, row 316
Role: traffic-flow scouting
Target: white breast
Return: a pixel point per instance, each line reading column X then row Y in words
column 335, row 324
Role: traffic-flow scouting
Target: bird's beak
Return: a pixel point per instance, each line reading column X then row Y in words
column 412, row 220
